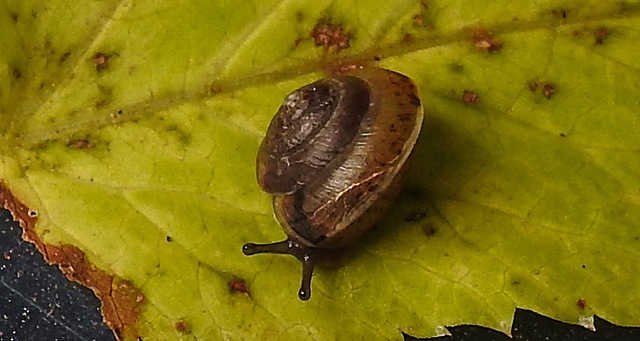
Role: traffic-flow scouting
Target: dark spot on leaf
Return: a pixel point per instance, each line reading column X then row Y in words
column 548, row 90
column 16, row 74
column 238, row 285
column 14, row 16
column 64, row 57
column 297, row 41
column 330, row 35
column 119, row 112
column 80, row 144
column 429, row 230
column 414, row 217
column 424, row 4
column 180, row 134
column 455, row 67
column 376, row 58
column 169, row 239
column 582, row 304
column 483, row 41
column 33, row 214
column 533, row 86
column 407, row 37
column 583, row 266
column 101, row 60
column 601, row 34
column 182, row 327
column 562, row 135
column 417, row 20
column 214, row 89
column 559, row 13
column 470, row 97
column 299, row 16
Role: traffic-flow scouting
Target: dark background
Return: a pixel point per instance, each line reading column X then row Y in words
column 37, row 302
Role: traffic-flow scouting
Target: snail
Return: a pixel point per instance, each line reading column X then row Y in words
column 333, row 158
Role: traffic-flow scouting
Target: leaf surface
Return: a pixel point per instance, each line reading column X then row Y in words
column 132, row 129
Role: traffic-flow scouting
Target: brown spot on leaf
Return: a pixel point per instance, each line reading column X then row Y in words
column 183, row 327
column 455, row 67
column 15, row 16
column 548, row 90
column 414, row 217
column 483, row 41
column 64, row 57
column 16, row 74
column 424, row 4
column 559, row 13
column 417, row 20
column 214, row 90
column 601, row 34
column 120, row 309
column 238, row 285
column 470, row 97
column 101, row 60
column 429, row 230
column 80, row 144
column 582, row 304
column 330, row 35
column 407, row 37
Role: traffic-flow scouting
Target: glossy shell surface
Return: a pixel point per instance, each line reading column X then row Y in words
column 334, row 154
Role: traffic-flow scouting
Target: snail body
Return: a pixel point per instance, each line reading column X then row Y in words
column 333, row 159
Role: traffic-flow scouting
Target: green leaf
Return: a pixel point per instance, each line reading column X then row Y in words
column 132, row 129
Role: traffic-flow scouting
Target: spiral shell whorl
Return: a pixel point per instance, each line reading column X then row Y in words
column 312, row 129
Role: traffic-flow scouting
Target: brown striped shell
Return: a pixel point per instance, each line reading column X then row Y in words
column 333, row 159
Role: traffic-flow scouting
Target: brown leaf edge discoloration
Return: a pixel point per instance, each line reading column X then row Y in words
column 120, row 299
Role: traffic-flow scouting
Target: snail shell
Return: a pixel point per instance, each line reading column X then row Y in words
column 333, row 159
